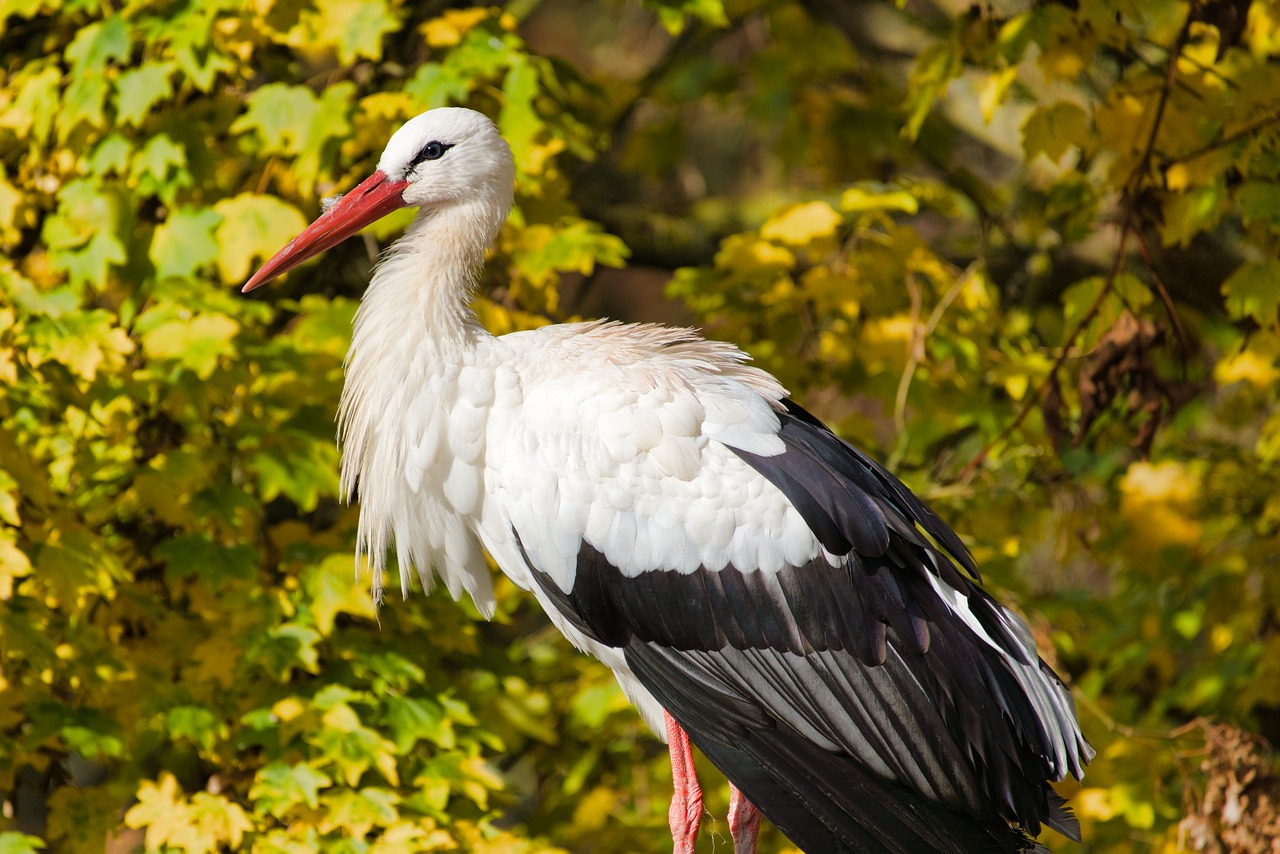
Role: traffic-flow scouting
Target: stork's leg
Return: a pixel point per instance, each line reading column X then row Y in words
column 744, row 822
column 686, row 802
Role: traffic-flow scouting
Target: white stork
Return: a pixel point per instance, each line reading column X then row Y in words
column 753, row 581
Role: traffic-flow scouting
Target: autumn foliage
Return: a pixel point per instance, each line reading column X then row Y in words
column 1027, row 253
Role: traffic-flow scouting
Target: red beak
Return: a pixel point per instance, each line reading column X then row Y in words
column 373, row 199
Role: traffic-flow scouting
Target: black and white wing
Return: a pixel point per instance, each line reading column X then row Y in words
column 792, row 604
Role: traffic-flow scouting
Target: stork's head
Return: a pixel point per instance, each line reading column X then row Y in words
column 449, row 158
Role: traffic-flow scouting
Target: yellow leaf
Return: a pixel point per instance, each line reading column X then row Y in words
column 13, row 564
column 8, row 368
column 995, row 90
column 197, row 343
column 859, row 199
column 218, row 820
column 288, row 708
column 1064, row 61
column 1119, row 122
column 801, row 225
column 1168, row 481
column 342, row 718
column 1094, row 803
column 1177, row 177
column 332, row 591
column 1159, row 499
column 1251, row 365
column 745, row 253
column 595, row 808
column 449, row 28
column 252, row 229
column 163, row 812
column 1054, row 129
column 216, row 660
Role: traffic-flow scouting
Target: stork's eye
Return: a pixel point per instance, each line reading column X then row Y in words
column 433, row 150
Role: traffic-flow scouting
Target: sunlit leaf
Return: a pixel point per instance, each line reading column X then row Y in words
column 252, row 229
column 140, row 89
column 185, row 242
column 1253, row 291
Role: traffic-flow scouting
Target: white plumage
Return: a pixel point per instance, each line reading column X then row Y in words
column 730, row 559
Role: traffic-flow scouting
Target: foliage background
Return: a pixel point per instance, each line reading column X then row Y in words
column 1025, row 252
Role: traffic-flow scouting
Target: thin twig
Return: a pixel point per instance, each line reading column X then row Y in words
column 1244, row 133
column 919, row 336
column 913, row 360
column 1127, row 731
column 1169, row 307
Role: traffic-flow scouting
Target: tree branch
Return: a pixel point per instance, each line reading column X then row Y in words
column 1137, row 179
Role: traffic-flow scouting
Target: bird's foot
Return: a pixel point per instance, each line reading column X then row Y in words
column 744, row 822
column 685, row 814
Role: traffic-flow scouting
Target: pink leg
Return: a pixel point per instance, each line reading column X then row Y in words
column 744, row 822
column 686, row 802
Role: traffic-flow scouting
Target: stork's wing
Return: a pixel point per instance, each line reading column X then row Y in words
column 827, row 656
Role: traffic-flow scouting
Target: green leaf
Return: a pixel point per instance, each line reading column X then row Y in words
column 160, row 167
column 357, row 812
column 98, row 741
column 84, row 342
column 185, row 242
column 253, row 228
column 1054, row 129
column 285, row 648
column 200, row 62
column 675, row 15
column 298, row 468
column 279, row 114
column 19, row 843
column 1260, row 202
column 97, row 44
column 519, row 121
column 1191, row 213
column 354, row 27
column 413, row 718
column 82, row 235
column 197, row 555
column 332, row 589
column 140, row 89
column 434, row 85
column 329, row 127
column 935, row 68
column 93, row 47
column 53, row 302
column 354, row 748
column 1253, row 291
column 279, row 786
column 1127, row 292
column 196, row 724
column 112, row 154
column 197, row 344
column 32, row 113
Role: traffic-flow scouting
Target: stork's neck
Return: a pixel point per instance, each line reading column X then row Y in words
column 416, row 315
column 420, row 296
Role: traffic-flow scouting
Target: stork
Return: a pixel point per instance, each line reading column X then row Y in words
column 756, row 584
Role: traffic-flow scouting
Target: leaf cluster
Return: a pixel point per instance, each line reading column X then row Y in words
column 1029, row 254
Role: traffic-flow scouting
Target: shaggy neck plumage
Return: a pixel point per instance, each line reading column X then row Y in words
column 415, row 314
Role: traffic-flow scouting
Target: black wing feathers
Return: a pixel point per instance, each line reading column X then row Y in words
column 809, row 791
column 805, row 431
column 852, row 704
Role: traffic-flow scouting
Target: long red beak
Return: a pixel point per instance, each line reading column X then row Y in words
column 373, row 199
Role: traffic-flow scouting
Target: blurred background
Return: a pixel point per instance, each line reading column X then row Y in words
column 1026, row 253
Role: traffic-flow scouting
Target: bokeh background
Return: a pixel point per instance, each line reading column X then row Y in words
column 1024, row 252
